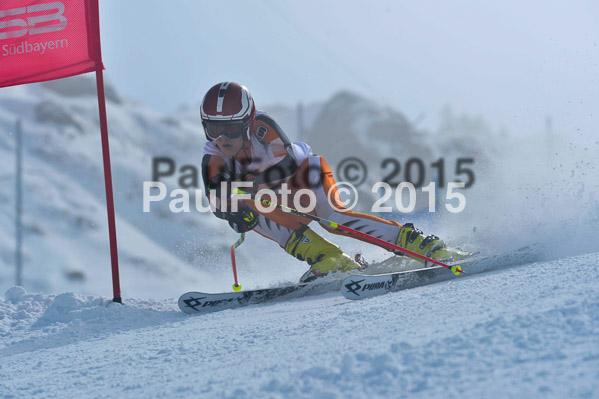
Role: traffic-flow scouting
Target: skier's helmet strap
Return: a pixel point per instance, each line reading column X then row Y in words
column 227, row 103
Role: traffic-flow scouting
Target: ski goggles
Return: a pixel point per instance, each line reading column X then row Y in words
column 229, row 130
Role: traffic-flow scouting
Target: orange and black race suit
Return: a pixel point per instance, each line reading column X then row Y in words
column 270, row 159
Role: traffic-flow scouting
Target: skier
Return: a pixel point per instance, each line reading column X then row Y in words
column 244, row 144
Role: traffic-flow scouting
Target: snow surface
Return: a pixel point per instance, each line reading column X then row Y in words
column 528, row 331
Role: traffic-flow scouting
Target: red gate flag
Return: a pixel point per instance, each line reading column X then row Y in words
column 44, row 40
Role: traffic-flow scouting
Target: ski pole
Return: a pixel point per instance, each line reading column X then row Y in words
column 455, row 269
column 236, row 286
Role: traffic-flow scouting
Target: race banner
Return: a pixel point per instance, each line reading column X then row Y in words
column 44, row 40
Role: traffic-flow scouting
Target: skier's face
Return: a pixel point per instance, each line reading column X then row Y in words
column 229, row 147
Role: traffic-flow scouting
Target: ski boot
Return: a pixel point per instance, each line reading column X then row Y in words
column 430, row 246
column 322, row 255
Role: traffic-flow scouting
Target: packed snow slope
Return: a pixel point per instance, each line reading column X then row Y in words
column 527, row 331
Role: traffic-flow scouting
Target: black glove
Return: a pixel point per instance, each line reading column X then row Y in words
column 243, row 220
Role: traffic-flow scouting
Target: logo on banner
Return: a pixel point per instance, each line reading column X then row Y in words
column 27, row 21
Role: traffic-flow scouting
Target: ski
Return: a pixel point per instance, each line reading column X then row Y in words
column 367, row 286
column 200, row 302
column 357, row 286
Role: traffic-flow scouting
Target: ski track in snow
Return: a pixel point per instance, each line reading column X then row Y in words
column 529, row 331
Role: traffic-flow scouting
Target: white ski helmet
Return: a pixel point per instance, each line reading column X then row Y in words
column 228, row 110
